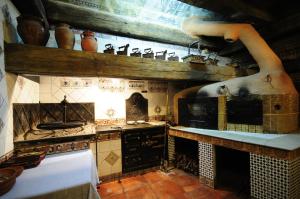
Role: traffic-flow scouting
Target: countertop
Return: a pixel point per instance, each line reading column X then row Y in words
column 85, row 131
column 288, row 142
column 100, row 129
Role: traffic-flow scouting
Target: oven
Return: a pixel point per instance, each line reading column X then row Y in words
column 198, row 112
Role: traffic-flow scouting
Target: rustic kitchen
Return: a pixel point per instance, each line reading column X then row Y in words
column 140, row 99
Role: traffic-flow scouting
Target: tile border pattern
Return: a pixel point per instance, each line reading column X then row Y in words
column 122, row 121
column 171, row 150
column 273, row 178
column 206, row 164
column 252, row 148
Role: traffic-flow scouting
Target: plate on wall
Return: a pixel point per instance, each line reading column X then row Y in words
column 130, row 122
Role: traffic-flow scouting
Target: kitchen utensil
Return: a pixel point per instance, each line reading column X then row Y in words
column 136, row 52
column 130, row 122
column 148, row 53
column 7, row 179
column 27, row 160
column 172, row 57
column 109, row 49
column 123, row 50
column 161, row 55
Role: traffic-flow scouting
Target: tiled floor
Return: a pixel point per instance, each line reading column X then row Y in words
column 159, row 185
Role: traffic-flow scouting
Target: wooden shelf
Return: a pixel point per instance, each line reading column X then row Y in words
column 37, row 60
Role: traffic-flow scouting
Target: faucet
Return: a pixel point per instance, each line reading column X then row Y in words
column 64, row 103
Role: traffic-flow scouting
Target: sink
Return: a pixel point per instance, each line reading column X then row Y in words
column 60, row 125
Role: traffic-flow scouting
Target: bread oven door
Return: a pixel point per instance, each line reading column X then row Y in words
column 198, row 112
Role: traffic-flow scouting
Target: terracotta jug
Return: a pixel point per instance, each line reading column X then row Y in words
column 88, row 41
column 64, row 36
column 32, row 30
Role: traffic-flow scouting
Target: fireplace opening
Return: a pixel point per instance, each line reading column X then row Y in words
column 198, row 112
column 233, row 171
column 186, row 155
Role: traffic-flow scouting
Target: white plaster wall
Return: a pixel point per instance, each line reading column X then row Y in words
column 52, row 90
column 13, row 89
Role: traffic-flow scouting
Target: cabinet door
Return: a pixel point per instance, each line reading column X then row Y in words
column 152, row 147
column 109, row 157
column 131, row 150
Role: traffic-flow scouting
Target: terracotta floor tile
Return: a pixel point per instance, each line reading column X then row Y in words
column 191, row 187
column 158, row 185
column 141, row 193
column 116, row 196
column 153, row 177
column 133, row 183
column 111, row 188
column 167, row 187
column 201, row 193
column 184, row 180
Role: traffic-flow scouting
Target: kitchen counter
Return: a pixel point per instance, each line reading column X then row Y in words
column 86, row 131
column 280, row 146
column 100, row 129
column 280, row 141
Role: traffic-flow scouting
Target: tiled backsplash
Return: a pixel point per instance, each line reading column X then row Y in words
column 108, row 94
column 27, row 116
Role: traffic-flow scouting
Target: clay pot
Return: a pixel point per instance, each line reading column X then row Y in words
column 64, row 36
column 32, row 30
column 88, row 41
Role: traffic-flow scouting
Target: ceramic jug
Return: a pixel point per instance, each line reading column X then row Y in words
column 32, row 30
column 64, row 36
column 89, row 41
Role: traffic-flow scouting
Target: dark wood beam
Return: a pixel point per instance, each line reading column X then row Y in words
column 37, row 60
column 271, row 33
column 104, row 22
column 231, row 7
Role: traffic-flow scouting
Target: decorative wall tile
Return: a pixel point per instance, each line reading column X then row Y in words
column 171, row 149
column 112, row 85
column 157, row 87
column 106, row 93
column 207, row 164
column 112, row 158
column 294, row 178
column 109, row 157
column 27, row 116
column 273, row 178
column 136, row 85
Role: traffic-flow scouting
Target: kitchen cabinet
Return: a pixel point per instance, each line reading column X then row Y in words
column 109, row 155
column 142, row 148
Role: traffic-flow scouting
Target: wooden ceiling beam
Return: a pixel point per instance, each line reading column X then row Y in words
column 104, row 22
column 230, row 8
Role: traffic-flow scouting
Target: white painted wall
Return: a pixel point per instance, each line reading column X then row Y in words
column 13, row 89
